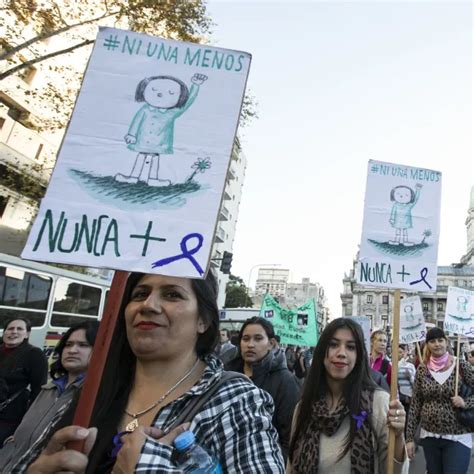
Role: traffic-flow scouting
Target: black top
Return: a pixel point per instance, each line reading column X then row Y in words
column 24, row 366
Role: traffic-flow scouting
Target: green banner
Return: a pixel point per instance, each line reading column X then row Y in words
column 294, row 326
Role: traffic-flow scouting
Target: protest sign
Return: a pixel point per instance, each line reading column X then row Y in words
column 412, row 322
column 365, row 324
column 459, row 317
column 294, row 326
column 141, row 171
column 399, row 245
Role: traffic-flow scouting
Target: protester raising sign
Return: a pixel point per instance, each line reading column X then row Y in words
column 141, row 171
column 459, row 317
column 294, row 326
column 412, row 322
column 399, row 244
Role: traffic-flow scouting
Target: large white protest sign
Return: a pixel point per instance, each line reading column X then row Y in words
column 399, row 246
column 412, row 321
column 365, row 324
column 459, row 317
column 141, row 171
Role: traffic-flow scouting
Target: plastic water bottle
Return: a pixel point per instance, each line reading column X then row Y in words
column 193, row 458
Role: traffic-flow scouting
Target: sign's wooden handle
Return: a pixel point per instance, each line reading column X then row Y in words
column 90, row 388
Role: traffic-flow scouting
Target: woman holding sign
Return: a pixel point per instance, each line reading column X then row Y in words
column 269, row 371
column 341, row 424
column 160, row 363
column 446, row 443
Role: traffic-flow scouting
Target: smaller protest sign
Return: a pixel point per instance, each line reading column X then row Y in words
column 400, row 232
column 459, row 317
column 294, row 326
column 364, row 322
column 412, row 322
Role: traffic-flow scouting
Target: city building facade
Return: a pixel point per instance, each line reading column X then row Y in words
column 273, row 280
column 228, row 216
column 468, row 258
column 34, row 107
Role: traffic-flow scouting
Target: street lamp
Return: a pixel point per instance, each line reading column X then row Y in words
column 260, row 265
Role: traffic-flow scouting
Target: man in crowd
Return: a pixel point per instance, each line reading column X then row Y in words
column 227, row 350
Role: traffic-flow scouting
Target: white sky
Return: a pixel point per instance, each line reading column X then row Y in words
column 339, row 84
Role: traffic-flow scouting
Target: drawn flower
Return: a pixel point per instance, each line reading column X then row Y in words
column 360, row 418
column 426, row 233
column 200, row 166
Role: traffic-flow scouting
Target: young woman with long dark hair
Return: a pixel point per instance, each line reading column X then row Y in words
column 341, row 423
column 67, row 372
column 161, row 359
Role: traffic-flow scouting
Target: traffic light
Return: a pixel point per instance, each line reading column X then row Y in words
column 226, row 262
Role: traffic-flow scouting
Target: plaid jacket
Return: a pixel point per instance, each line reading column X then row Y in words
column 235, row 426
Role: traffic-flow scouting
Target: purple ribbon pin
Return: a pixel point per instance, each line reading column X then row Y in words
column 360, row 418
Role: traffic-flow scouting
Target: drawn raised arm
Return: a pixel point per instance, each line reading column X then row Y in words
column 199, row 79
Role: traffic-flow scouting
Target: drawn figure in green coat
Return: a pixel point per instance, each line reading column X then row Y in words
column 462, row 302
column 151, row 132
column 404, row 200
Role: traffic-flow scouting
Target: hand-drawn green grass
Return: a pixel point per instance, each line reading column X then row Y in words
column 412, row 328
column 399, row 250
column 460, row 318
column 139, row 193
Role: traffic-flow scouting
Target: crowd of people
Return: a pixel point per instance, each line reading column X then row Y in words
column 255, row 405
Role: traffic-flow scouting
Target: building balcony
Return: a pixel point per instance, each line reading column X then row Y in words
column 15, row 159
column 231, row 173
column 220, row 235
column 227, row 196
column 224, row 214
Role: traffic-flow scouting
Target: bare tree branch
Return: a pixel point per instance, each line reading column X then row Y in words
column 26, row 64
column 58, row 10
column 50, row 34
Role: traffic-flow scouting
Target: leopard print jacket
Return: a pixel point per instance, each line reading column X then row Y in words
column 431, row 403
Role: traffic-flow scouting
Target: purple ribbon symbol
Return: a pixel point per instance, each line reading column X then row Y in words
column 186, row 253
column 360, row 418
column 423, row 273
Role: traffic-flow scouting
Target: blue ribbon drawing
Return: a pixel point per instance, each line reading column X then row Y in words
column 423, row 273
column 360, row 418
column 186, row 253
column 470, row 332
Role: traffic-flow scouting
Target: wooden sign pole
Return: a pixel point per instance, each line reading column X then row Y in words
column 456, row 384
column 394, row 378
column 420, row 356
column 99, row 355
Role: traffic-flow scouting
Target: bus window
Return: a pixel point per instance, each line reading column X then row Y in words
column 23, row 294
column 74, row 302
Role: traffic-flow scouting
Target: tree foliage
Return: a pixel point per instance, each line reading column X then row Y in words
column 76, row 22
column 56, row 37
column 182, row 20
column 237, row 294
